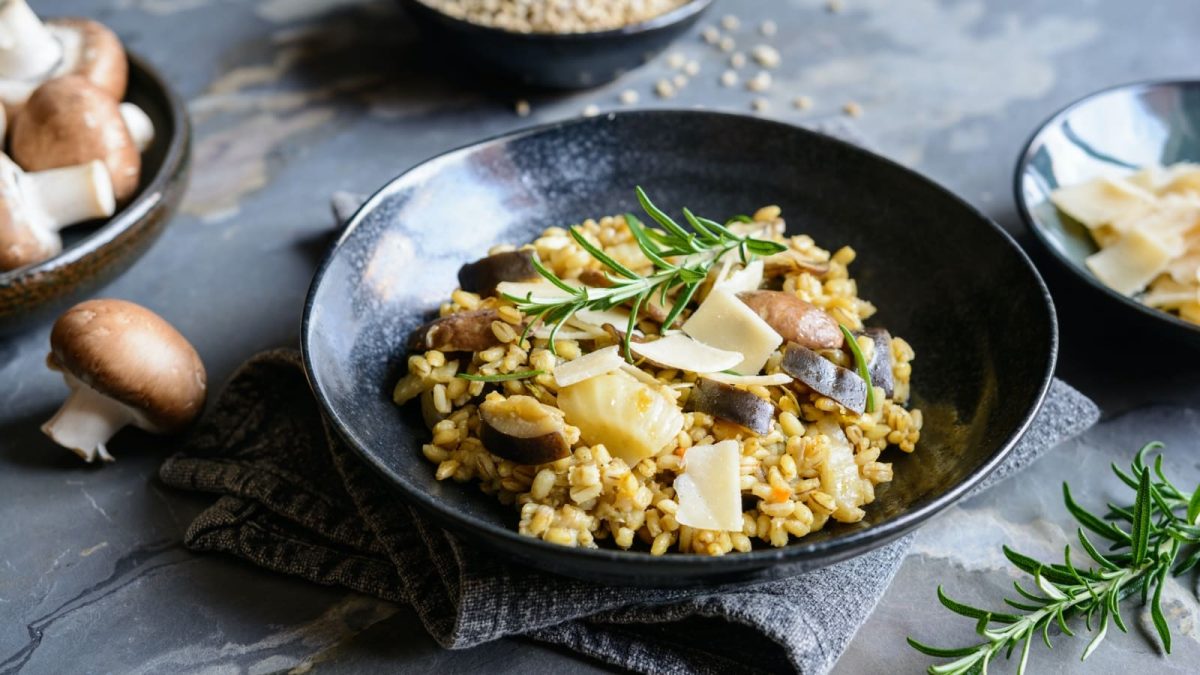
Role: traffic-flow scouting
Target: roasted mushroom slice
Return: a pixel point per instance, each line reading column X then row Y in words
column 825, row 377
column 484, row 274
column 732, row 405
column 458, row 332
column 522, row 429
column 880, row 367
column 794, row 319
column 595, row 278
column 791, row 262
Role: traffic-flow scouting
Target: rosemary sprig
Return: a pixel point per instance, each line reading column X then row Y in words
column 1156, row 537
column 501, row 377
column 861, row 364
column 682, row 258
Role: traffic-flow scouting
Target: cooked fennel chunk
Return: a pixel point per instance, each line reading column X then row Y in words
column 633, row 420
column 839, row 474
column 682, row 352
column 707, row 490
column 725, row 322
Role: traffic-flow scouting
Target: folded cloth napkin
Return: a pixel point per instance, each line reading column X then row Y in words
column 295, row 499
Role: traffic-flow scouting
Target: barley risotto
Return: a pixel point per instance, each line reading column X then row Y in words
column 701, row 388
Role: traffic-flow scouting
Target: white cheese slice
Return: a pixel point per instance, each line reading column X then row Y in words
column 1166, row 293
column 1101, row 201
column 587, row 366
column 619, row 318
column 680, row 351
column 1184, row 178
column 774, row 379
column 725, row 322
column 707, row 491
column 748, row 278
column 1131, row 263
column 539, row 289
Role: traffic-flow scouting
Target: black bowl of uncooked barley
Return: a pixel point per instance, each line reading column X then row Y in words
column 585, row 45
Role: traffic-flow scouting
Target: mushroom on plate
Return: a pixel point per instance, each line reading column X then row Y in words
column 69, row 121
column 35, row 206
column 125, row 365
column 33, row 52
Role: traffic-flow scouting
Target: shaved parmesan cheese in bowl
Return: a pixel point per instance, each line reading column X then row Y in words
column 725, row 322
column 590, row 365
column 680, row 351
column 707, row 491
column 1147, row 225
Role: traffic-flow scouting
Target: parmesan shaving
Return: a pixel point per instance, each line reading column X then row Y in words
column 707, row 491
column 774, row 379
column 682, row 352
column 588, row 366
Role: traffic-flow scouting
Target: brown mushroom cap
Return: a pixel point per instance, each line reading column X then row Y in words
column 132, row 355
column 67, row 121
column 97, row 54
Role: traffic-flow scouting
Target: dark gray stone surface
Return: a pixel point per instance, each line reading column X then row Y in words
column 294, row 99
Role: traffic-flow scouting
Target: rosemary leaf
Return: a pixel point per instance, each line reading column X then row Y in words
column 861, row 364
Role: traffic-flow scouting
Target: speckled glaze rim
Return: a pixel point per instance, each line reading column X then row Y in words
column 806, row 555
column 1183, row 328
column 676, row 16
column 148, row 197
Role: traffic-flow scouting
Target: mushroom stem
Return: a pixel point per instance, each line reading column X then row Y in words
column 27, row 48
column 86, row 421
column 71, row 194
column 141, row 129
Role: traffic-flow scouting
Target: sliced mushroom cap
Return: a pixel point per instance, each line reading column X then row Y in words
column 594, row 278
column 880, row 367
column 731, row 404
column 70, row 121
column 794, row 319
column 458, row 332
column 484, row 274
column 791, row 262
column 523, row 430
column 825, row 377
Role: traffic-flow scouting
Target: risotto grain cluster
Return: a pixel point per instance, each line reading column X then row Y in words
column 737, row 436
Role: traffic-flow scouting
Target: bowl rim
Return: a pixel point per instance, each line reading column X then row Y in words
column 147, row 197
column 681, row 14
column 1032, row 223
column 817, row 554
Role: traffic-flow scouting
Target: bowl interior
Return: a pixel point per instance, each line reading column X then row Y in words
column 1110, row 133
column 981, row 325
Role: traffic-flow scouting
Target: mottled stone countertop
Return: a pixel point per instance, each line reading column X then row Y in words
column 294, row 99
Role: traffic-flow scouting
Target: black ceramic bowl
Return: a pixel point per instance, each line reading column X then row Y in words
column 1111, row 132
column 943, row 276
column 552, row 60
column 96, row 253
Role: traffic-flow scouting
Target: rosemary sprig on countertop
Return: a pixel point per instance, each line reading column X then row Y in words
column 681, row 257
column 1156, row 537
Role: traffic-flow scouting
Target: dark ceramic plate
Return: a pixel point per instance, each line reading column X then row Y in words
column 1109, row 133
column 96, row 253
column 551, row 60
column 943, row 276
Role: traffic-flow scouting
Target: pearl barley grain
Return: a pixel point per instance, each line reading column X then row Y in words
column 737, row 60
column 729, row 78
column 761, row 105
column 852, row 109
column 711, row 35
column 692, row 68
column 768, row 28
column 522, row 108
column 591, row 110
column 730, row 22
column 629, row 97
column 760, row 82
column 767, row 56
column 664, row 89
column 802, row 102
column 727, row 44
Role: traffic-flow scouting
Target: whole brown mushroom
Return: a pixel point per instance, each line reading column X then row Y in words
column 32, row 52
column 35, row 206
column 125, row 365
column 70, row 121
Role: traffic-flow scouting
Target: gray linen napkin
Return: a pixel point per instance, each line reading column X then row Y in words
column 296, row 500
